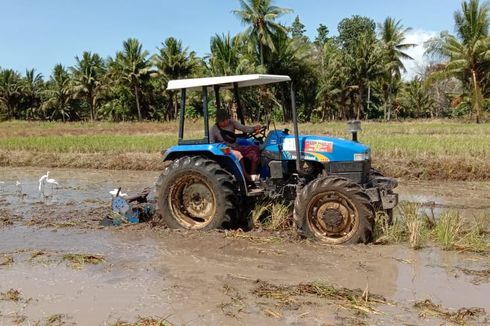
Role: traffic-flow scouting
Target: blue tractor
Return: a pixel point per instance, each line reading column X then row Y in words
column 335, row 191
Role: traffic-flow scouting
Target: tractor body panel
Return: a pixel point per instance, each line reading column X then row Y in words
column 316, row 148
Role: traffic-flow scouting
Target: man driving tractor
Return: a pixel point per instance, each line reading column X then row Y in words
column 224, row 132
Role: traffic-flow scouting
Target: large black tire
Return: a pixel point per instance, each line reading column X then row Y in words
column 196, row 193
column 334, row 210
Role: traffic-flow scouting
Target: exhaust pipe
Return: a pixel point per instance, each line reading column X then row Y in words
column 354, row 126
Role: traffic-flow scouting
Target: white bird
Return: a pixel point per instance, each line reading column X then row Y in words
column 45, row 179
column 115, row 191
column 2, row 185
column 52, row 181
column 42, row 181
column 19, row 186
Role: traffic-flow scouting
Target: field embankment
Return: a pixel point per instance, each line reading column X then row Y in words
column 434, row 150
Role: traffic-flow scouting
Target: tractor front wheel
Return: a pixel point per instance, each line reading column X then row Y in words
column 196, row 193
column 334, row 210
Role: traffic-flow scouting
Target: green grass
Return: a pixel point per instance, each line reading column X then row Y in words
column 89, row 144
column 438, row 149
column 399, row 138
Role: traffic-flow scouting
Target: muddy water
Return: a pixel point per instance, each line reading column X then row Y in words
column 208, row 278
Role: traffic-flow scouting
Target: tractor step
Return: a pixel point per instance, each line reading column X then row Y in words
column 255, row 192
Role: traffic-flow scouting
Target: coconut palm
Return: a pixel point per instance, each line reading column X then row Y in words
column 467, row 53
column 10, row 91
column 392, row 37
column 174, row 62
column 131, row 67
column 415, row 99
column 58, row 94
column 32, row 87
column 365, row 65
column 88, row 74
column 227, row 56
column 261, row 16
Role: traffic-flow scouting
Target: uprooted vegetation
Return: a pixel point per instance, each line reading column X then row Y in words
column 450, row 230
column 357, row 300
column 11, row 295
column 145, row 321
column 461, row 317
column 78, row 261
column 6, row 260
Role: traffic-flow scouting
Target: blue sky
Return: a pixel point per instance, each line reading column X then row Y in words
column 40, row 33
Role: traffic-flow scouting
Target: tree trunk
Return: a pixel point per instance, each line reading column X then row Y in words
column 360, row 105
column 476, row 100
column 261, row 49
column 137, row 101
column 176, row 112
column 90, row 101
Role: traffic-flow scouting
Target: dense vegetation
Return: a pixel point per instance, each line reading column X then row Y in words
column 356, row 74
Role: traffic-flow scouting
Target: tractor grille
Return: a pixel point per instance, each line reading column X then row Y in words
column 356, row 171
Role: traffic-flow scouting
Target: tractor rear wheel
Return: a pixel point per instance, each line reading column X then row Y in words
column 334, row 210
column 196, row 193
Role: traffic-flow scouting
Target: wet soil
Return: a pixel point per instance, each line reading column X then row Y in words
column 213, row 278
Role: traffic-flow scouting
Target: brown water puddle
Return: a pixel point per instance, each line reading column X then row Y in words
column 208, row 278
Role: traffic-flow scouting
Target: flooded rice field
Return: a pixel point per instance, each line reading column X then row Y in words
column 58, row 266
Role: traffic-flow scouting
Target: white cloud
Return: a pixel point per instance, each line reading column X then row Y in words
column 417, row 37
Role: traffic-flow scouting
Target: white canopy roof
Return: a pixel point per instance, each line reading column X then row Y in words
column 226, row 81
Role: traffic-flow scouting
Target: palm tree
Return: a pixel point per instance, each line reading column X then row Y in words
column 132, row 68
column 87, row 80
column 260, row 16
column 58, row 95
column 10, row 91
column 467, row 53
column 173, row 62
column 226, row 57
column 415, row 99
column 392, row 36
column 32, row 88
column 365, row 63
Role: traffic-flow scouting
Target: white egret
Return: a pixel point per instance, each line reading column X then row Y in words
column 115, row 191
column 41, row 183
column 19, row 186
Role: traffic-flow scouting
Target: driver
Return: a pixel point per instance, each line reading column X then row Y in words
column 224, row 132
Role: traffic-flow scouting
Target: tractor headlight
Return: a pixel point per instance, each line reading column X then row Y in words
column 362, row 156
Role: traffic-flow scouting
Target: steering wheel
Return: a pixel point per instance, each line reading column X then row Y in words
column 258, row 134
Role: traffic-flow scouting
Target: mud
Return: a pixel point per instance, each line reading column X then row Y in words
column 211, row 278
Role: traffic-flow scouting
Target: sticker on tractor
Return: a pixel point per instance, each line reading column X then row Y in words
column 289, row 144
column 318, row 146
column 316, row 157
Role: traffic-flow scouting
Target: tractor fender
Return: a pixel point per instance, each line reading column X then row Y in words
column 213, row 152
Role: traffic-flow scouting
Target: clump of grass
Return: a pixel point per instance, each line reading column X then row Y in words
column 6, row 260
column 447, row 229
column 11, row 295
column 361, row 301
column 77, row 261
column 145, row 321
column 461, row 317
column 451, row 233
column 410, row 226
column 272, row 216
column 482, row 223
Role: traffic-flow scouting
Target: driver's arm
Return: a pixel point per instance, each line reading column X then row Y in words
column 239, row 126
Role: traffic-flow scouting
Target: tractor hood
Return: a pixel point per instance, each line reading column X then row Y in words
column 317, row 148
